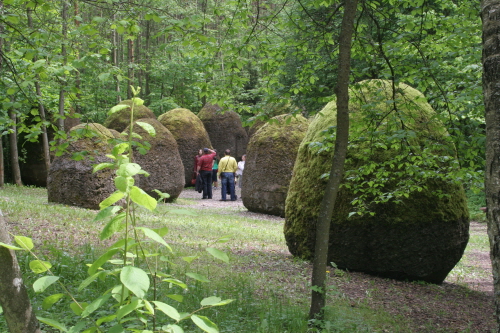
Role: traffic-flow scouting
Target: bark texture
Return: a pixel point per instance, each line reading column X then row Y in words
column 318, row 297
column 14, row 299
column 490, row 15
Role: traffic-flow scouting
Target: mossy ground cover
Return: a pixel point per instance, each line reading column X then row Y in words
column 270, row 287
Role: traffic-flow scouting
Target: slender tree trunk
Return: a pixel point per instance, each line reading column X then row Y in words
column 14, row 299
column 41, row 109
column 130, row 44
column 115, row 61
column 78, row 95
column 2, row 164
column 64, row 30
column 490, row 15
column 318, row 296
column 14, row 153
column 147, row 57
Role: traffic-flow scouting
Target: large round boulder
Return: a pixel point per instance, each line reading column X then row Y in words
column 225, row 130
column 190, row 135
column 70, row 179
column 271, row 155
column 396, row 145
column 162, row 161
column 121, row 119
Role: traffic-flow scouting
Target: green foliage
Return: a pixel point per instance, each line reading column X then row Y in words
column 128, row 261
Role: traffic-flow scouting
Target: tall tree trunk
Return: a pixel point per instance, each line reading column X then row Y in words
column 130, row 57
column 490, row 15
column 41, row 109
column 14, row 299
column 318, row 296
column 2, row 164
column 64, row 32
column 14, row 153
column 115, row 61
column 147, row 59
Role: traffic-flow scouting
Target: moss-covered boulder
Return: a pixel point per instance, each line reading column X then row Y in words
column 271, row 155
column 70, row 181
column 225, row 130
column 162, row 161
column 190, row 135
column 267, row 112
column 418, row 234
column 121, row 119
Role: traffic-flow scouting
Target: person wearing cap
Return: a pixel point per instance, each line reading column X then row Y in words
column 227, row 171
column 204, row 168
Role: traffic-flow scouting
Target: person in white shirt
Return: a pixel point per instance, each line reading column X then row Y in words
column 241, row 167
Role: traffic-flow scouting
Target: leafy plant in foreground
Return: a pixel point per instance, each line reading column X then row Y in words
column 129, row 304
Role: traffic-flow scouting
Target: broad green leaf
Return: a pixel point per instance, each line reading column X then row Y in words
column 218, row 254
column 104, row 77
column 78, row 308
column 53, row 323
column 106, row 319
column 172, row 328
column 11, row 247
column 210, row 301
column 128, row 169
column 224, row 239
column 120, row 148
column 168, row 310
column 125, row 310
column 89, row 280
column 101, row 166
column 117, row 108
column 151, row 234
column 205, row 324
column 176, row 282
column 124, row 183
column 135, row 279
column 116, row 196
column 117, row 292
column 24, row 242
column 101, row 261
column 190, row 259
column 118, row 328
column 215, row 301
column 112, row 226
column 142, row 198
column 78, row 327
column 198, row 277
column 39, row 266
column 95, row 305
column 107, row 212
column 137, row 101
column 51, row 300
column 178, row 298
column 149, row 307
column 42, row 283
column 147, row 127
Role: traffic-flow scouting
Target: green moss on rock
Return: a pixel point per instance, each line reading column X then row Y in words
column 271, row 155
column 121, row 119
column 225, row 129
column 190, row 135
column 162, row 161
column 420, row 238
column 72, row 182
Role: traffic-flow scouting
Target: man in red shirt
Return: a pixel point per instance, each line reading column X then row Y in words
column 204, row 168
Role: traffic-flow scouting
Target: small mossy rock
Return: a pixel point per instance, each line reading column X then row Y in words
column 190, row 135
column 72, row 182
column 121, row 119
column 271, row 155
column 420, row 238
column 162, row 161
column 225, row 130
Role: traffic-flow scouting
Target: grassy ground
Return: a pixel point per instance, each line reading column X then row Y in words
column 271, row 289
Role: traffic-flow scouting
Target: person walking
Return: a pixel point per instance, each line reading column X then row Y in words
column 227, row 171
column 195, row 169
column 215, row 169
column 204, row 168
column 241, row 167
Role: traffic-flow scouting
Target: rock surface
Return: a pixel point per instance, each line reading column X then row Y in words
column 420, row 238
column 121, row 119
column 72, row 182
column 190, row 135
column 271, row 155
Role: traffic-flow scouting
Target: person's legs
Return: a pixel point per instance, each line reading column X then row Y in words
column 230, row 177
column 223, row 181
column 214, row 178
column 240, row 179
column 207, row 184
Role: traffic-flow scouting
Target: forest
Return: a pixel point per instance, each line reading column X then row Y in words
column 69, row 62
